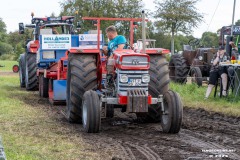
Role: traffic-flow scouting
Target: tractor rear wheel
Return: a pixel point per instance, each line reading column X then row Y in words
column 178, row 69
column 171, row 118
column 43, row 86
column 22, row 70
column 196, row 75
column 81, row 77
column 159, row 84
column 31, row 72
column 159, row 73
column 91, row 114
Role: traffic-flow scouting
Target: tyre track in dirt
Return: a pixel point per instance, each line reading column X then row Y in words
column 122, row 138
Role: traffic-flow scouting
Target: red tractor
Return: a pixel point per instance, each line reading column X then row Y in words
column 137, row 82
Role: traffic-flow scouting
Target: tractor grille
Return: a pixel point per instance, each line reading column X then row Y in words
column 133, row 82
column 135, row 60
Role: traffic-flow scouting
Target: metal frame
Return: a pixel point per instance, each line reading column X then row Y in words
column 99, row 19
column 117, row 100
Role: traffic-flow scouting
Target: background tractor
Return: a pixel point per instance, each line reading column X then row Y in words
column 197, row 63
column 52, row 36
column 194, row 63
column 27, row 60
column 136, row 81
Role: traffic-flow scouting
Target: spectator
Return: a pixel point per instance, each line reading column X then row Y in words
column 218, row 71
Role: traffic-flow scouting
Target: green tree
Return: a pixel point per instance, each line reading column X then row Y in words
column 18, row 50
column 177, row 16
column 18, row 42
column 2, row 26
column 5, row 48
column 103, row 8
column 237, row 23
column 181, row 40
column 209, row 39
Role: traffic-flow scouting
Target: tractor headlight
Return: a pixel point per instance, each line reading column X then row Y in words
column 200, row 58
column 48, row 55
column 146, row 78
column 123, row 78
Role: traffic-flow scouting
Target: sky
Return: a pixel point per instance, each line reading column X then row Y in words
column 14, row 11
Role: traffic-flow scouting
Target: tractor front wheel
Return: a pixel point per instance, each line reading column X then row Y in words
column 196, row 75
column 159, row 84
column 81, row 77
column 22, row 70
column 91, row 114
column 171, row 118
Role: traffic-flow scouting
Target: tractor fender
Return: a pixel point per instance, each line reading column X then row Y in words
column 32, row 46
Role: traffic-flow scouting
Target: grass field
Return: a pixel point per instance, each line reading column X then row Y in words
column 193, row 96
column 29, row 130
column 7, row 65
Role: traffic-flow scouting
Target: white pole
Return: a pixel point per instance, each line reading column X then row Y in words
column 143, row 33
column 233, row 17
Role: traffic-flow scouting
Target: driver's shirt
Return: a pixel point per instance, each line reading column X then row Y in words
column 113, row 44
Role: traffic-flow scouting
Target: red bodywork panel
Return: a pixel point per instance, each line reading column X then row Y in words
column 119, row 54
column 33, row 46
column 156, row 51
column 123, row 99
column 56, row 71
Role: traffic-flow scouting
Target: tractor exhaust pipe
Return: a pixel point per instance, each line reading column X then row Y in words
column 143, row 33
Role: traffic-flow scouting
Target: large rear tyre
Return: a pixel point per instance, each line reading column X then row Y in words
column 31, row 72
column 159, row 84
column 171, row 119
column 81, row 77
column 196, row 75
column 43, row 86
column 91, row 115
column 159, row 75
column 178, row 69
column 22, row 71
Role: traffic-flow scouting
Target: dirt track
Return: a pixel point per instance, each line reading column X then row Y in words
column 203, row 136
column 7, row 73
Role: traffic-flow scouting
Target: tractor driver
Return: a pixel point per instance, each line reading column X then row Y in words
column 54, row 30
column 115, row 41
